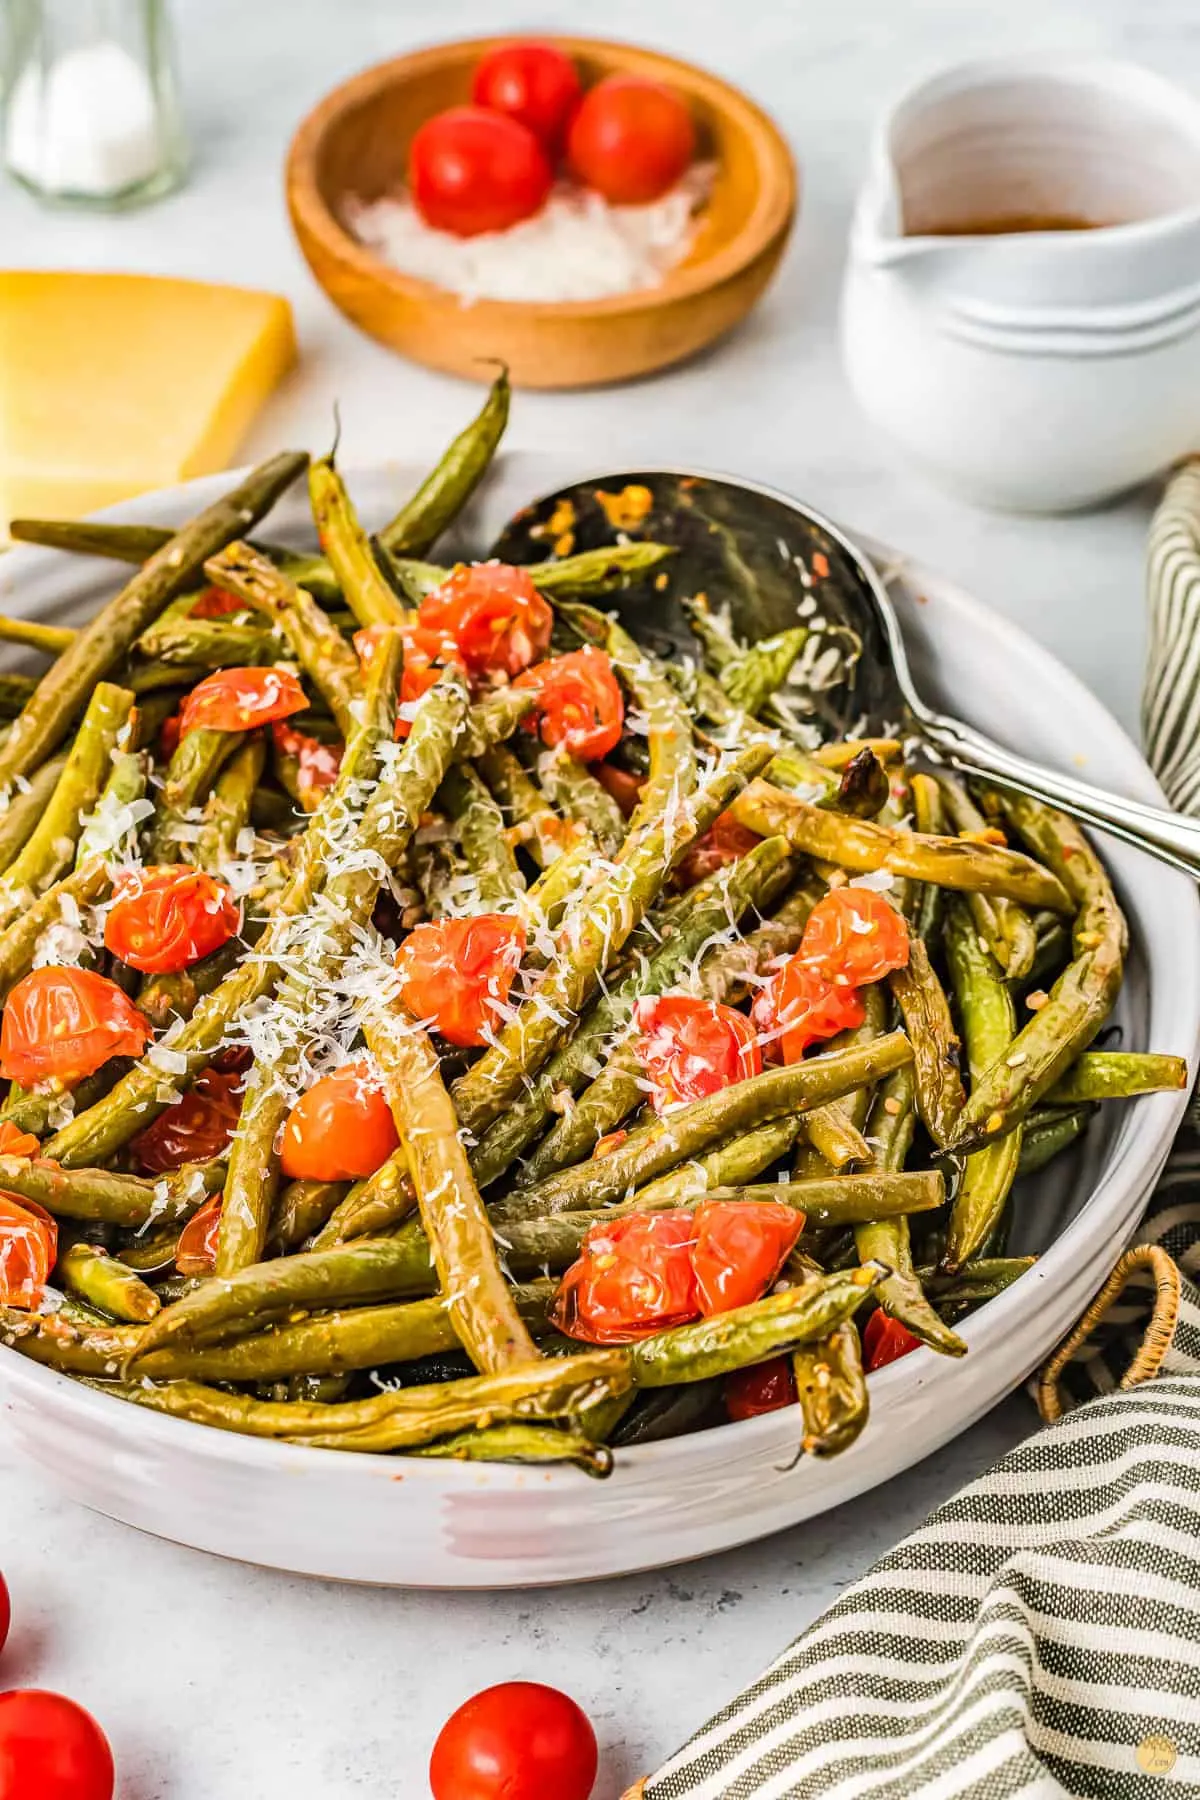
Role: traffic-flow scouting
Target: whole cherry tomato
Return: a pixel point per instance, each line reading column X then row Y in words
column 494, row 614
column 579, row 704
column 341, row 1129
column 690, row 1047
column 198, row 1127
column 241, row 699
column 740, row 1247
column 457, row 973
column 764, row 1387
column 631, row 139
column 854, row 936
column 723, row 843
column 65, row 1024
column 798, row 1007
column 28, row 1246
column 50, row 1749
column 166, row 918
column 196, row 1251
column 215, row 603
column 317, row 764
column 625, row 788
column 634, row 1277
column 533, row 83
column 15, row 1142
column 516, row 1741
column 472, row 171
column 885, row 1340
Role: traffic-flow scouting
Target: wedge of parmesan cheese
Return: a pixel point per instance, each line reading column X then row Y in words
column 113, row 384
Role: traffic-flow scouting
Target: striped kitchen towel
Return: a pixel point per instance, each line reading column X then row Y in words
column 1039, row 1636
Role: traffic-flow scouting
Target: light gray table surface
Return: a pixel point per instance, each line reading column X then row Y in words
column 220, row 1682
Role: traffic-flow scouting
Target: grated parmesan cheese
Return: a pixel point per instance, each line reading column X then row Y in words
column 577, row 247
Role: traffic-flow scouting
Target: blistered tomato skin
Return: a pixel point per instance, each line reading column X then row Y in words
column 580, row 708
column 885, row 1340
column 198, row 1127
column 740, row 1248
column 690, row 1048
column 633, row 1278
column 493, row 614
column 241, row 699
column 854, row 936
column 456, row 974
column 340, row 1130
column 28, row 1246
column 196, row 1252
column 799, row 1008
column 164, row 919
column 63, row 1024
column 765, row 1387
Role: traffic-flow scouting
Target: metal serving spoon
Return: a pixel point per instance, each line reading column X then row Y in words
column 772, row 562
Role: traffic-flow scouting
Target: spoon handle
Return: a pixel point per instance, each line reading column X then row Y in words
column 1172, row 837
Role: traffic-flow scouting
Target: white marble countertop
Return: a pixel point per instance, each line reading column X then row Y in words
column 218, row 1682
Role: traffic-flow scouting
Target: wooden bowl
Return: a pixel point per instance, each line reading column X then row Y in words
column 354, row 145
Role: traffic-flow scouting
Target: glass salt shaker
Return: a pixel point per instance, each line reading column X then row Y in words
column 92, row 112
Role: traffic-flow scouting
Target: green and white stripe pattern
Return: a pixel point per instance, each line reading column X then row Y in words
column 1039, row 1637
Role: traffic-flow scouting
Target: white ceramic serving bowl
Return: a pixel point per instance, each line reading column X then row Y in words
column 1034, row 370
column 434, row 1524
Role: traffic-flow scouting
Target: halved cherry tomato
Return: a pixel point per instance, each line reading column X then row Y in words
column 517, row 1741
column 764, row 1387
column 741, row 1245
column 318, row 764
column 798, row 1007
column 341, row 1129
column 723, row 843
column 51, row 1749
column 198, row 1127
column 625, row 788
column 495, row 615
column 28, row 1246
column 240, row 700
column 15, row 1142
column 634, row 1277
column 168, row 917
column 215, row 603
column 631, row 139
column 535, row 84
column 692, row 1047
column 65, row 1024
column 470, row 171
column 885, row 1340
column 196, row 1251
column 426, row 653
column 854, row 936
column 457, row 973
column 579, row 704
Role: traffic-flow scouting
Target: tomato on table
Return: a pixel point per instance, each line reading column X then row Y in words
column 341, row 1129
column 63, row 1024
column 471, row 171
column 885, row 1340
column 765, row 1387
column 15, row 1142
column 533, row 83
column 457, row 974
column 854, row 936
column 28, row 1247
column 51, row 1749
column 799, row 1008
column 494, row 614
column 516, row 1741
column 196, row 1251
column 634, row 1277
column 167, row 917
column 580, row 708
column 631, row 139
column 723, row 843
column 740, row 1247
column 198, row 1127
column 691, row 1047
column 240, row 700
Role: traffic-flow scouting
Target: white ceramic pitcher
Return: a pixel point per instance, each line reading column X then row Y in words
column 1032, row 369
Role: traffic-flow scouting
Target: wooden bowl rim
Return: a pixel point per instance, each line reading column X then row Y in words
column 770, row 218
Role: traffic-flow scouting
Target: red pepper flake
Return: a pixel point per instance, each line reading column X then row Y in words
column 820, row 564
